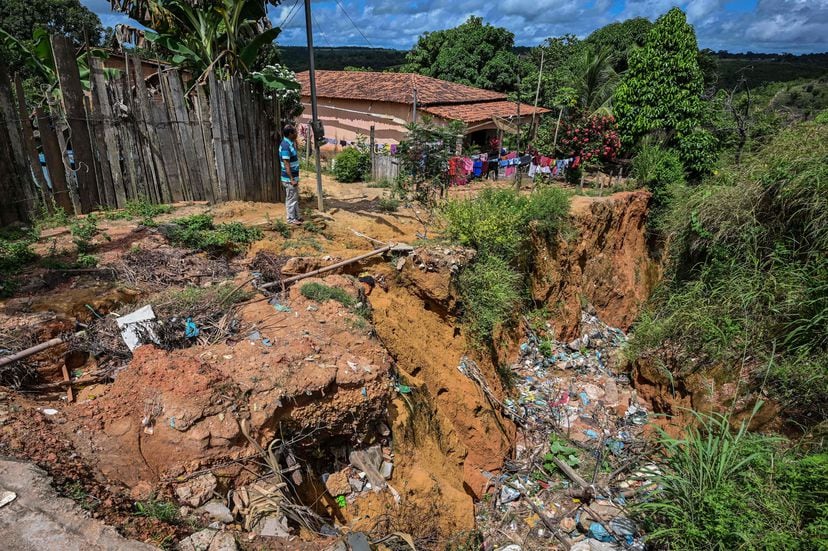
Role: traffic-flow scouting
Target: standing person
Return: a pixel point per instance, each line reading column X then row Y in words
column 290, row 174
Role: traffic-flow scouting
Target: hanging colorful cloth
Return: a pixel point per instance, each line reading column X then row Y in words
column 512, row 160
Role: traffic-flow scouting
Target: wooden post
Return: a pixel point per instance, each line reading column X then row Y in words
column 371, row 145
column 66, row 66
column 17, row 198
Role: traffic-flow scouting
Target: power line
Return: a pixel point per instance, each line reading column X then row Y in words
column 354, row 24
column 289, row 17
column 318, row 27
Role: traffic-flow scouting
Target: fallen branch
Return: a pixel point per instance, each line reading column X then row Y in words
column 566, row 542
column 294, row 279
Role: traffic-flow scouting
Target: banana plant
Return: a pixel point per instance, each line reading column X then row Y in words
column 39, row 59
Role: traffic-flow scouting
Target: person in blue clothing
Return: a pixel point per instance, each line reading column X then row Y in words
column 290, row 174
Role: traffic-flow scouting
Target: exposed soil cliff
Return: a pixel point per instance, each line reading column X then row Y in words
column 602, row 259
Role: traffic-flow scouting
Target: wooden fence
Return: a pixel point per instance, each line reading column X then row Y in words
column 385, row 167
column 119, row 142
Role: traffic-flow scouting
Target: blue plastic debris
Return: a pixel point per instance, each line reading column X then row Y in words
column 190, row 329
column 584, row 398
column 279, row 306
column 524, row 347
column 591, row 434
column 172, row 422
column 598, row 532
column 615, row 446
column 364, row 391
column 267, row 342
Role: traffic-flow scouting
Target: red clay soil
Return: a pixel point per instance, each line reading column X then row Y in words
column 170, row 413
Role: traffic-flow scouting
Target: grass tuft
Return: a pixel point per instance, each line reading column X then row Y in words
column 322, row 293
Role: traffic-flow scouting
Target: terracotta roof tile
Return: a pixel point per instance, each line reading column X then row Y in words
column 393, row 87
column 481, row 111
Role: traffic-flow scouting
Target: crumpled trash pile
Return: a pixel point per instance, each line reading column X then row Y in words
column 570, row 403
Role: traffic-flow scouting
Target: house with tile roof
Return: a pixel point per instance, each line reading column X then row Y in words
column 351, row 102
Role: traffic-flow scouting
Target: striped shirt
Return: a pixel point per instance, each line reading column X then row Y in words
column 288, row 154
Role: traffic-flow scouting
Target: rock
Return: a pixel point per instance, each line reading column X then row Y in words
column 217, row 511
column 141, row 491
column 574, row 345
column 208, row 540
column 568, row 524
column 274, row 527
column 338, row 484
column 512, row 547
column 197, row 490
column 358, row 541
column 357, row 484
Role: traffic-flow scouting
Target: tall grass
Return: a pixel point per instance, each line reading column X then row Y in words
column 727, row 489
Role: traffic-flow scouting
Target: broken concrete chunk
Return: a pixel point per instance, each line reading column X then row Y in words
column 358, row 541
column 369, row 461
column 273, row 527
column 197, row 490
column 208, row 540
column 357, row 484
column 218, row 511
column 386, row 469
column 337, row 484
column 7, row 497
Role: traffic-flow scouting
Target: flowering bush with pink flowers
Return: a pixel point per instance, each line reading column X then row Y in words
column 592, row 139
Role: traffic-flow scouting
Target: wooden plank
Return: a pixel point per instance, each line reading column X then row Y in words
column 72, row 98
column 160, row 192
column 204, row 114
column 168, row 151
column 118, row 93
column 216, row 129
column 194, row 163
column 19, row 196
column 228, row 132
column 251, row 110
column 148, row 184
column 175, row 138
column 107, row 140
column 54, row 161
column 96, row 139
column 133, row 135
column 45, row 194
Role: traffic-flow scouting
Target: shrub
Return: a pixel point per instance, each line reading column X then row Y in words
column 351, row 165
column 14, row 255
column 594, row 138
column 491, row 292
column 146, row 211
column 322, row 293
column 661, row 171
column 199, row 232
column 822, row 117
column 495, row 221
column 388, row 204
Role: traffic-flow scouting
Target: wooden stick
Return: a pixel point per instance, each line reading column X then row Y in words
column 566, row 542
column 570, row 473
column 6, row 360
column 70, row 397
column 294, row 279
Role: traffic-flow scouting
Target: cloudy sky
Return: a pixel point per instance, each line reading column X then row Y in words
column 796, row 26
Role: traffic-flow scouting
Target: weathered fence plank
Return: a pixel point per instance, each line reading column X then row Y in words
column 16, row 186
column 54, row 161
column 204, row 114
column 73, row 106
column 30, row 148
column 107, row 140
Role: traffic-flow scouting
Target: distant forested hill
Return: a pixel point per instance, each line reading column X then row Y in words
column 376, row 59
column 761, row 69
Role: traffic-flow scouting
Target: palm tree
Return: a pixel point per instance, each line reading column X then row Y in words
column 594, row 80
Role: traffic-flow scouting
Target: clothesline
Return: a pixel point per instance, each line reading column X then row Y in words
column 463, row 168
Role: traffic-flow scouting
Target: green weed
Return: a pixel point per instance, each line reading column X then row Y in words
column 491, row 292
column 164, row 511
column 321, row 293
column 83, row 232
column 199, row 232
column 388, row 204
column 58, row 218
column 87, row 260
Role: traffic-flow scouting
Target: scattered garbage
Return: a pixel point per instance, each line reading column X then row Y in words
column 217, row 511
column 190, row 329
column 570, row 406
column 138, row 323
column 278, row 306
column 49, row 411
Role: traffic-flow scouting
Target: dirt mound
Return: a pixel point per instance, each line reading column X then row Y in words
column 300, row 370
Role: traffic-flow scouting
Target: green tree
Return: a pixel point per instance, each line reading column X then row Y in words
column 662, row 92
column 20, row 18
column 621, row 38
column 475, row 54
column 593, row 79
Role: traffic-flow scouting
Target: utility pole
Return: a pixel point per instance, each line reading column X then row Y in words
column 517, row 125
column 318, row 133
column 533, row 130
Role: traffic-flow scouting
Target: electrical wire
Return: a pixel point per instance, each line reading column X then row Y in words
column 319, row 28
column 289, row 17
column 354, row 24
